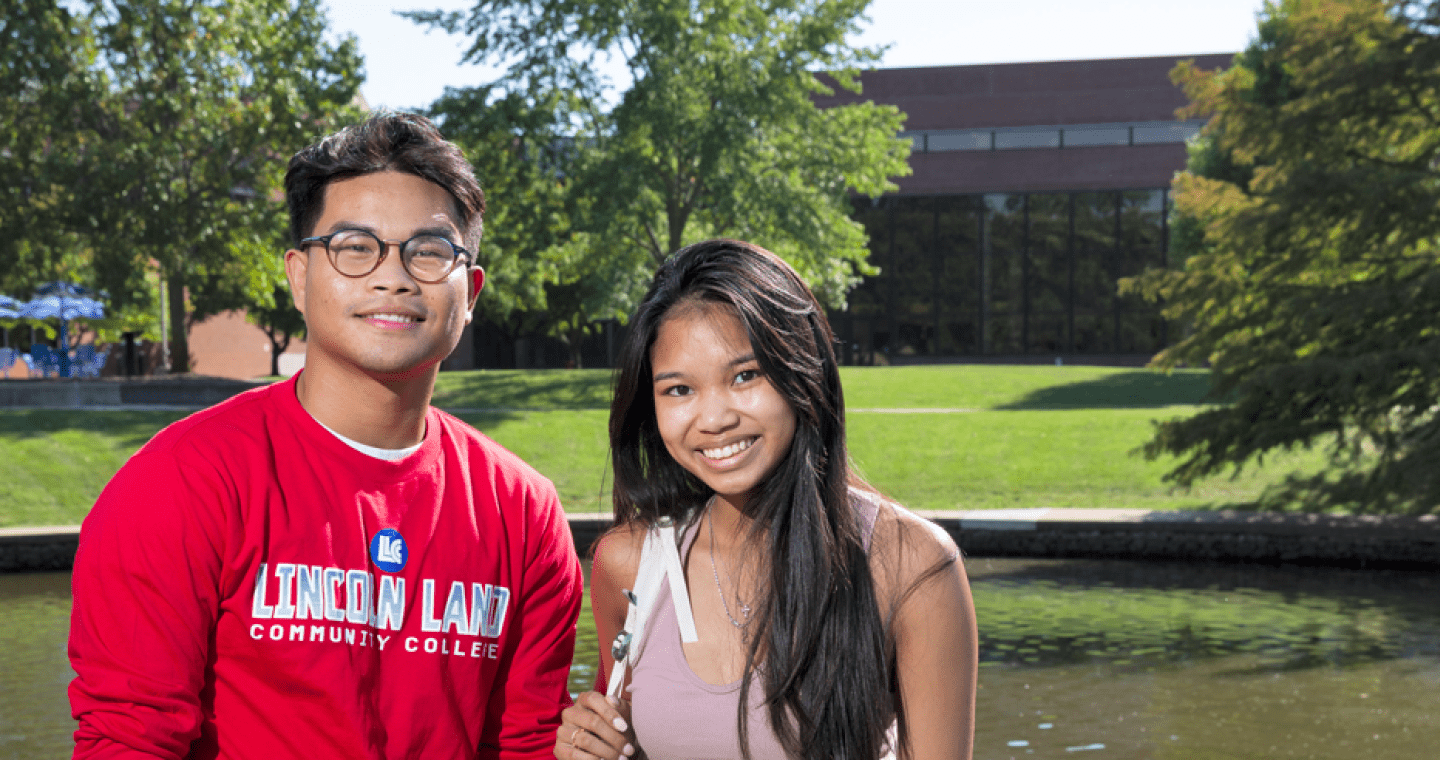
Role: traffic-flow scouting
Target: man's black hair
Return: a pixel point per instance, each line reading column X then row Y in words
column 399, row 142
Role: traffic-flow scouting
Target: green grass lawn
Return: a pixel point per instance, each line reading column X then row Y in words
column 54, row 463
column 1057, row 458
column 1035, row 436
column 979, row 386
column 950, row 386
column 537, row 390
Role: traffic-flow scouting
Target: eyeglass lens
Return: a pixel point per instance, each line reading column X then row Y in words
column 356, row 253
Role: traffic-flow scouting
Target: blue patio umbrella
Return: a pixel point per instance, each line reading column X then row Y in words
column 9, row 308
column 64, row 301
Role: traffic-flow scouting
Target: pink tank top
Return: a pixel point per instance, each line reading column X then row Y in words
column 678, row 715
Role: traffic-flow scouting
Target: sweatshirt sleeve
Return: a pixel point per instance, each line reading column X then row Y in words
column 532, row 686
column 145, row 587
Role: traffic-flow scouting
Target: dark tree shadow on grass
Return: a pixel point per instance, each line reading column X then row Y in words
column 131, row 429
column 535, row 390
column 483, row 421
column 1140, row 389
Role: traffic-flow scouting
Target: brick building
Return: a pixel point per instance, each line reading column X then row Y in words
column 1035, row 187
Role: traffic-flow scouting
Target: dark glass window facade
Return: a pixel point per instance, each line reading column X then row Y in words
column 1005, row 274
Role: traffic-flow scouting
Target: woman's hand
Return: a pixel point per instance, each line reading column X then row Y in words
column 596, row 726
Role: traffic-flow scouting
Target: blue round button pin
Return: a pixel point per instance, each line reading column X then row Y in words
column 388, row 551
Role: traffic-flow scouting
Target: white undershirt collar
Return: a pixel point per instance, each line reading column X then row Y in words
column 389, row 455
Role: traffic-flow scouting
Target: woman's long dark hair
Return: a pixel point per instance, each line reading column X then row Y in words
column 829, row 662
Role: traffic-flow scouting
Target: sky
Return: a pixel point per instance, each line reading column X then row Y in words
column 408, row 67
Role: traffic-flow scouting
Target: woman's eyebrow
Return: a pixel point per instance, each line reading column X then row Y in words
column 746, row 359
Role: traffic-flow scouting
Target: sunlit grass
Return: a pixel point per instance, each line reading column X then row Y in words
column 1058, row 458
column 1008, row 436
column 983, row 386
column 951, row 386
column 53, row 464
column 545, row 389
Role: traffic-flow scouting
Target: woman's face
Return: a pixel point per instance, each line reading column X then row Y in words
column 719, row 416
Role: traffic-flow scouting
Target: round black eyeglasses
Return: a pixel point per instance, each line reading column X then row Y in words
column 356, row 253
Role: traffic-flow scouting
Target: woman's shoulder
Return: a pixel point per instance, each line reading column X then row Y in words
column 906, row 546
column 617, row 552
column 614, row 565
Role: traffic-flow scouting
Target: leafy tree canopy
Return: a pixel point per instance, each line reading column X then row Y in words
column 518, row 151
column 715, row 133
column 1309, row 217
column 48, row 88
column 170, row 124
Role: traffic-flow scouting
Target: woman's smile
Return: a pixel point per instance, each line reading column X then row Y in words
column 718, row 414
column 726, row 452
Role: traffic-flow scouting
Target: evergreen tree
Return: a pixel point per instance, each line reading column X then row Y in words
column 1308, row 223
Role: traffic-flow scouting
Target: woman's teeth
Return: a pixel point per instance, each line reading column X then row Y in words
column 725, row 452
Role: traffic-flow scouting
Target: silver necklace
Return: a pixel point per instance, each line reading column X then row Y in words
column 744, row 608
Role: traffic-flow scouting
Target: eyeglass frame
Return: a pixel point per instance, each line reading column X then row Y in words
column 385, row 251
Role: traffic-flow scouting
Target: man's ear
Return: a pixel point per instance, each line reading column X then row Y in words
column 477, row 282
column 296, row 264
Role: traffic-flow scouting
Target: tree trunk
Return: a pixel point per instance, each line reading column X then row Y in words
column 572, row 342
column 276, row 348
column 675, row 228
column 179, row 332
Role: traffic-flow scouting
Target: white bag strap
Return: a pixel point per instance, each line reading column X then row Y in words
column 659, row 558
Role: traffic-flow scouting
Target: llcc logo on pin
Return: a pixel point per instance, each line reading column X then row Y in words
column 387, row 550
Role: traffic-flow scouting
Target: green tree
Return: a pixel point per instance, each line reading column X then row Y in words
column 544, row 274
column 51, row 93
column 1310, row 216
column 203, row 101
column 716, row 132
column 518, row 157
column 594, row 281
column 47, row 90
column 280, row 321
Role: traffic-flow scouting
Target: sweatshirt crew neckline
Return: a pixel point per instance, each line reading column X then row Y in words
column 426, row 453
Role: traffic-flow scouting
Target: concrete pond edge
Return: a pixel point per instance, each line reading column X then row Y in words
column 179, row 392
column 1133, row 534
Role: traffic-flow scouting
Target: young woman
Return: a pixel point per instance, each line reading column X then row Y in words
column 840, row 621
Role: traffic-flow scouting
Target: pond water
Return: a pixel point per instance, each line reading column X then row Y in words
column 1079, row 659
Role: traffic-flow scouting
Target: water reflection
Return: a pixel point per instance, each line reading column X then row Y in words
column 1154, row 660
column 34, row 670
column 1143, row 614
column 1079, row 659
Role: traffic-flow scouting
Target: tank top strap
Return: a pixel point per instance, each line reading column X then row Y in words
column 867, row 508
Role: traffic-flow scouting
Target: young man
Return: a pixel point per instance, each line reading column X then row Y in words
column 328, row 567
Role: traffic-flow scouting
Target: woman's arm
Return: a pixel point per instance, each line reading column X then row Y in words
column 935, row 639
column 597, row 726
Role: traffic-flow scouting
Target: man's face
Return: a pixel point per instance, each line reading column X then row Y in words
column 385, row 324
